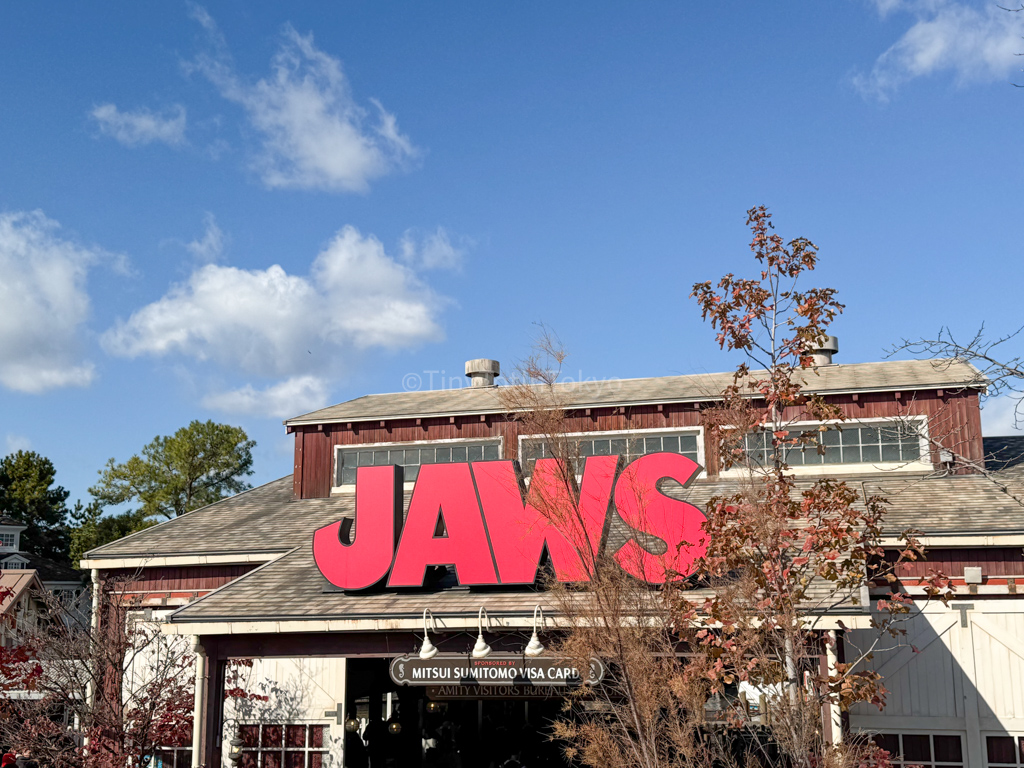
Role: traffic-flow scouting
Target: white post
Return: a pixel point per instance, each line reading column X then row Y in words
column 197, row 706
column 94, row 623
column 835, row 712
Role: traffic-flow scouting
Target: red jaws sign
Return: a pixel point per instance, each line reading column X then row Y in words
column 495, row 536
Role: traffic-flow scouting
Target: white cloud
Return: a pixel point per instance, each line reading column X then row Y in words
column 141, row 126
column 314, row 134
column 17, row 443
column 273, row 324
column 998, row 417
column 299, row 394
column 434, row 251
column 43, row 304
column 973, row 42
column 209, row 247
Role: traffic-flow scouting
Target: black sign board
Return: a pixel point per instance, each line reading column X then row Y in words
column 501, row 692
column 495, row 669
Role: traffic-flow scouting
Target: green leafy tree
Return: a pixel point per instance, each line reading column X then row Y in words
column 28, row 494
column 197, row 465
column 93, row 529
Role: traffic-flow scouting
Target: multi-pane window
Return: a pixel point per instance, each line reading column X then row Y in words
column 177, row 753
column 629, row 446
column 928, row 750
column 172, row 757
column 839, row 445
column 412, row 457
column 1005, row 750
column 7, row 540
column 283, row 746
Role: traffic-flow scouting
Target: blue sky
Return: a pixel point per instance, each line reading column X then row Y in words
column 245, row 211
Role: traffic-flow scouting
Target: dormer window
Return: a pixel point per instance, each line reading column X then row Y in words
column 8, row 540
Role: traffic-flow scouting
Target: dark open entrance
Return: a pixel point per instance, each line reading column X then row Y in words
column 446, row 726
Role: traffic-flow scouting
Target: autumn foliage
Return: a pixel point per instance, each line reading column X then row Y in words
column 733, row 663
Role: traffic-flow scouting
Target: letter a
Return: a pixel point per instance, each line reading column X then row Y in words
column 362, row 563
column 448, row 489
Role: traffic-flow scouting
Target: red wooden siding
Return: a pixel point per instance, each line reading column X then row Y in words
column 996, row 563
column 197, row 578
column 954, row 420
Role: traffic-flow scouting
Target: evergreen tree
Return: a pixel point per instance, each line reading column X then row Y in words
column 92, row 529
column 197, row 465
column 28, row 494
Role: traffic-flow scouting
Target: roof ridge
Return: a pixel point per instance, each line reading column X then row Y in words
column 435, row 402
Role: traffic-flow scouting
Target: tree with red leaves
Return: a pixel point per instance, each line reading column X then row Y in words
column 101, row 694
column 783, row 553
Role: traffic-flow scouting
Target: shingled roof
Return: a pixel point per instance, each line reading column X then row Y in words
column 886, row 376
column 1004, row 452
column 291, row 589
column 265, row 519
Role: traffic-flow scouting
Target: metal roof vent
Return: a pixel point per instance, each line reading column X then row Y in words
column 822, row 355
column 482, row 371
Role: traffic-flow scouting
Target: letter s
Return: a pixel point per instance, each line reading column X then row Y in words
column 644, row 508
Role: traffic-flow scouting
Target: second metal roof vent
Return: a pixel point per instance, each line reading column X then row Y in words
column 482, row 372
column 823, row 354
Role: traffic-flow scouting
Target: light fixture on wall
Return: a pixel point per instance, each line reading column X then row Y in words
column 428, row 650
column 351, row 724
column 534, row 648
column 481, row 648
column 235, row 749
column 433, row 706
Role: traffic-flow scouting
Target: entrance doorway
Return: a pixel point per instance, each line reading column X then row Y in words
column 446, row 726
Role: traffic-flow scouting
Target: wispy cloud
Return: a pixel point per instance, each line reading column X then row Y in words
column 434, row 250
column 293, row 396
column 43, row 304
column 314, row 134
column 210, row 246
column 141, row 126
column 15, row 443
column 974, row 42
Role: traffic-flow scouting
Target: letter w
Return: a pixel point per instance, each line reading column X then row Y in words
column 553, row 516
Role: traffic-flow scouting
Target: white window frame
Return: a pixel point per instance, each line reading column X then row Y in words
column 307, row 751
column 921, row 464
column 408, row 486
column 1018, row 739
column 698, row 431
column 931, row 733
column 13, row 546
column 179, row 753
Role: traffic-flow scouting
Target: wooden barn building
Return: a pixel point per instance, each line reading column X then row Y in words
column 239, row 580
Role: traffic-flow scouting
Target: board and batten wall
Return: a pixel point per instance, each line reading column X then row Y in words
column 954, row 420
column 959, row 670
